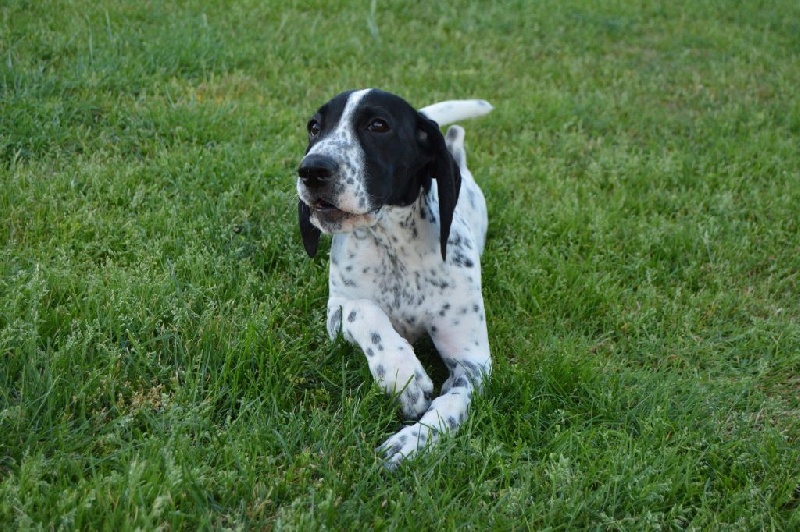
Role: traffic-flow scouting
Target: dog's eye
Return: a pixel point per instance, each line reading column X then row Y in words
column 378, row 125
column 314, row 128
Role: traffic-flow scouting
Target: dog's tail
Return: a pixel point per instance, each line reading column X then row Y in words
column 451, row 111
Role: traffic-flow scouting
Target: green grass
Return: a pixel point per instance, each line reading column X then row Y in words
column 163, row 360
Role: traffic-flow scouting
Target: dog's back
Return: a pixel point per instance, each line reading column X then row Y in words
column 471, row 203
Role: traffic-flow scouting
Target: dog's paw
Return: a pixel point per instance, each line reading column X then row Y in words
column 398, row 371
column 416, row 396
column 406, row 443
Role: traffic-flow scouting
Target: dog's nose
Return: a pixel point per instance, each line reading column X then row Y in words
column 315, row 170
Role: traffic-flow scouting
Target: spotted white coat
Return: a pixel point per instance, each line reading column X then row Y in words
column 388, row 282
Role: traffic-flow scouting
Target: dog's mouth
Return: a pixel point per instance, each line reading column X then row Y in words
column 327, row 209
column 323, row 206
column 328, row 214
column 331, row 219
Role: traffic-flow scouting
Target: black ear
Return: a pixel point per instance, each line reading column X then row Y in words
column 444, row 169
column 308, row 231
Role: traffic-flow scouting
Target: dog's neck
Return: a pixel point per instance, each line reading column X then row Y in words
column 414, row 226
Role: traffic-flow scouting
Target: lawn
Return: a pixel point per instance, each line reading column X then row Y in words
column 163, row 355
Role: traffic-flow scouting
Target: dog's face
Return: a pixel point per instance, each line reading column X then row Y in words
column 368, row 149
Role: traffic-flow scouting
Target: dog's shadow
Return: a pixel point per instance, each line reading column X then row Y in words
column 431, row 361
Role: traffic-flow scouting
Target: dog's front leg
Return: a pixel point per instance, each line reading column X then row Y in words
column 390, row 357
column 463, row 343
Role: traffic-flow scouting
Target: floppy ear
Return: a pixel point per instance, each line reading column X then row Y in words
column 448, row 177
column 308, row 231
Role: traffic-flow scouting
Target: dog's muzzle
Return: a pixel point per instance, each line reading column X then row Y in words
column 318, row 175
column 331, row 203
column 317, row 171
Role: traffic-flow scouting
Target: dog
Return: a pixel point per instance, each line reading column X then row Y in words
column 409, row 225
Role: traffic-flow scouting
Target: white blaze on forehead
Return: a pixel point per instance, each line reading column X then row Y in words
column 344, row 132
column 350, row 108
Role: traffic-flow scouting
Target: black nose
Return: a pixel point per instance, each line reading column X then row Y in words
column 315, row 170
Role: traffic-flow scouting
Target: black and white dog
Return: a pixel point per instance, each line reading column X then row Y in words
column 409, row 225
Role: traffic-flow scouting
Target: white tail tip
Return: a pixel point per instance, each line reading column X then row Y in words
column 451, row 111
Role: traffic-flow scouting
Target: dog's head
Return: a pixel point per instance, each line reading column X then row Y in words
column 368, row 149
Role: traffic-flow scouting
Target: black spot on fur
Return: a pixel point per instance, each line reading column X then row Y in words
column 460, row 382
column 473, row 370
column 471, row 196
column 462, row 261
column 335, row 320
column 376, row 338
column 352, row 316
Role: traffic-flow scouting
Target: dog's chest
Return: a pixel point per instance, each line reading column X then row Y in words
column 400, row 278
